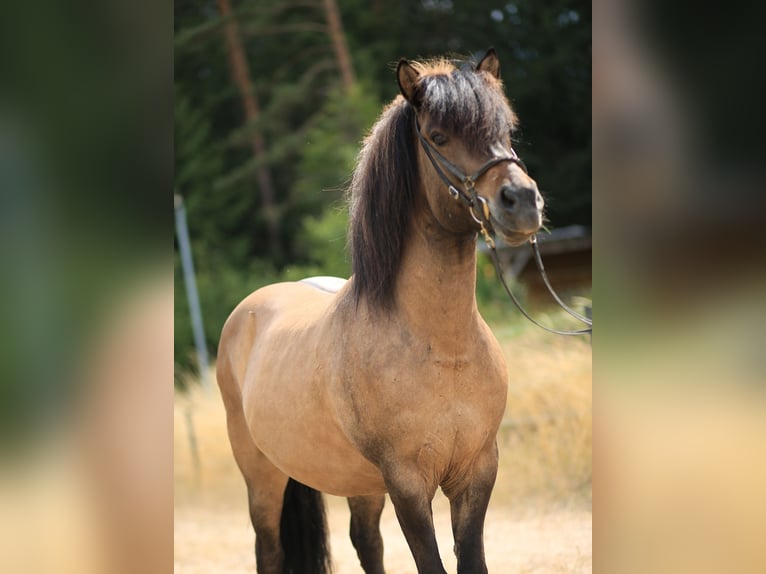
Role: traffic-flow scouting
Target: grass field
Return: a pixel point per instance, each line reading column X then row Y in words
column 540, row 514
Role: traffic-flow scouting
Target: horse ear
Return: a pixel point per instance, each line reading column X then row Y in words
column 407, row 76
column 490, row 63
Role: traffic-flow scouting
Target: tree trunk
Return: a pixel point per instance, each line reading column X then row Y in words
column 339, row 43
column 241, row 75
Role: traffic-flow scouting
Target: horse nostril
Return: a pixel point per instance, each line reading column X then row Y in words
column 520, row 198
column 508, row 196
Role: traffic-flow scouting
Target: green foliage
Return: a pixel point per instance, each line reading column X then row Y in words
column 332, row 144
column 491, row 298
column 324, row 240
column 198, row 165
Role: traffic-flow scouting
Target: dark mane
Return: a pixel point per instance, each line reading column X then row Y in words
column 382, row 193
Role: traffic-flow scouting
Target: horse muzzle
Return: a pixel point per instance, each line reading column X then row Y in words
column 517, row 212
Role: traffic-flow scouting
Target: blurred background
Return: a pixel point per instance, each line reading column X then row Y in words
column 678, row 190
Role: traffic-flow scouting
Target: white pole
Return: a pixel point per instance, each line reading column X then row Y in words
column 182, row 232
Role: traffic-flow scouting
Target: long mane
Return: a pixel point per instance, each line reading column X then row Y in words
column 382, row 196
column 386, row 180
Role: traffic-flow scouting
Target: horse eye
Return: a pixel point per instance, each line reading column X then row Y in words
column 438, row 139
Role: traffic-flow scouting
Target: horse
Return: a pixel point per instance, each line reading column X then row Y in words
column 389, row 382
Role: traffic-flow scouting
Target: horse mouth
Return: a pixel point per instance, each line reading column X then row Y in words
column 518, row 232
column 516, row 238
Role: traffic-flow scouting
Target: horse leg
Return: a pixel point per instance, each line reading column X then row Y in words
column 288, row 517
column 365, row 531
column 265, row 493
column 468, row 508
column 412, row 497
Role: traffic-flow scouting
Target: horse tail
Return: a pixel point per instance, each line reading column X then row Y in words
column 303, row 531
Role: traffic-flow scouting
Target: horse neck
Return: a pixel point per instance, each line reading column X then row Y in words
column 436, row 286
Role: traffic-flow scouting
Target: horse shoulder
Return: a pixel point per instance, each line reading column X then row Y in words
column 485, row 388
column 492, row 355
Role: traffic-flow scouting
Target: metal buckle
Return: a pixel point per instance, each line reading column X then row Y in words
column 483, row 222
column 487, row 237
column 475, row 218
column 484, row 208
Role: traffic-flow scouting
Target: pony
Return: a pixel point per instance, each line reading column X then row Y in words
column 389, row 382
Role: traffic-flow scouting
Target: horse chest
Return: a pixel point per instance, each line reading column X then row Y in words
column 437, row 409
column 443, row 379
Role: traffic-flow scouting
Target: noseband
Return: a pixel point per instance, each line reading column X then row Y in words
column 478, row 208
column 467, row 196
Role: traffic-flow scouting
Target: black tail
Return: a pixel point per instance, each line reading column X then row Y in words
column 303, row 531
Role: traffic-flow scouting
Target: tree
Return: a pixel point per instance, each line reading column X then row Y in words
column 339, row 44
column 240, row 72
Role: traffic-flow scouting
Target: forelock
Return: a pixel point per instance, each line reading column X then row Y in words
column 469, row 104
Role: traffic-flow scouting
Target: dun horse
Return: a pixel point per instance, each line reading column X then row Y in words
column 390, row 382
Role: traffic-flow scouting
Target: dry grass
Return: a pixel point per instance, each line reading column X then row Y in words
column 545, row 442
column 539, row 518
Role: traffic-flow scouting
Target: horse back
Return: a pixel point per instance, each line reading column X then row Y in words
column 296, row 306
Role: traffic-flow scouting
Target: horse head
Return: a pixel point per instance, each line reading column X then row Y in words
column 464, row 123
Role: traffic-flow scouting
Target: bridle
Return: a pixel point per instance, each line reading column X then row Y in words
column 478, row 208
column 468, row 196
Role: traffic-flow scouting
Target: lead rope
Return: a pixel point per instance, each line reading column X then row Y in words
column 541, row 268
column 483, row 220
column 500, row 275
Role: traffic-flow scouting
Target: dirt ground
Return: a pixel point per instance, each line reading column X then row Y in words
column 210, row 540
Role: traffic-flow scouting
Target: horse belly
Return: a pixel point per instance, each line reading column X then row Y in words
column 291, row 423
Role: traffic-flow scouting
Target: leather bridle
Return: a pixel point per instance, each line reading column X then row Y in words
column 478, row 208
column 468, row 196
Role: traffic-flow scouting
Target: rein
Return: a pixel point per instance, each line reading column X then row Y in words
column 478, row 207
